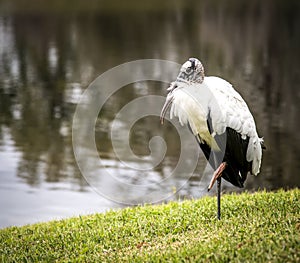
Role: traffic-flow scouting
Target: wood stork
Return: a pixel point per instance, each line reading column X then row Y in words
column 220, row 120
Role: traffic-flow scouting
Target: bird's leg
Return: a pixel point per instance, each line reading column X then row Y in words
column 219, row 197
column 217, row 174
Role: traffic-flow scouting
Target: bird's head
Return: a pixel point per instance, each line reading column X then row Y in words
column 191, row 71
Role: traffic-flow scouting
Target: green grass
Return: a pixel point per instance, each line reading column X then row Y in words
column 260, row 227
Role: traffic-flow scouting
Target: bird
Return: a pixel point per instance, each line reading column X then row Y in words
column 221, row 122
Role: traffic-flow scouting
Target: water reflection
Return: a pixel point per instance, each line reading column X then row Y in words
column 48, row 56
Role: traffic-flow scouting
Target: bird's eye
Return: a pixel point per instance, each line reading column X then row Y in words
column 189, row 69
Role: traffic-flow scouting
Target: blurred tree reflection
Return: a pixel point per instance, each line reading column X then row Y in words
column 46, row 55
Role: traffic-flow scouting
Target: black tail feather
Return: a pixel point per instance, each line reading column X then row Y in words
column 233, row 152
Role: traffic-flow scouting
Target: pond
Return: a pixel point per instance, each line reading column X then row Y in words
column 51, row 52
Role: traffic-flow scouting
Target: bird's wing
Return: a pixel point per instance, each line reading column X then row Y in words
column 228, row 109
column 215, row 97
column 191, row 109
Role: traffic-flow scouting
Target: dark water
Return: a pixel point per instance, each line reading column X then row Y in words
column 49, row 54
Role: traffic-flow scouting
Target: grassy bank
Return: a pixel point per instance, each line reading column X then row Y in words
column 261, row 227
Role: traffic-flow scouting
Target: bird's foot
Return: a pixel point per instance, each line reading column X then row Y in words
column 216, row 175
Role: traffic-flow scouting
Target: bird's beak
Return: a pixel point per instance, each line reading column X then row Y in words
column 167, row 104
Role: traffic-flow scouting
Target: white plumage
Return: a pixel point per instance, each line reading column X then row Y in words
column 193, row 102
column 213, row 110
